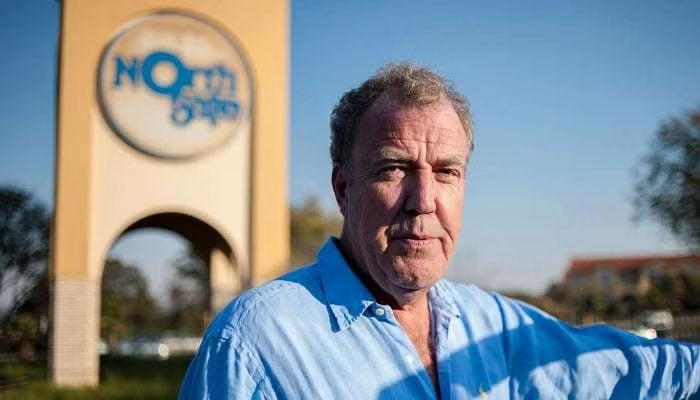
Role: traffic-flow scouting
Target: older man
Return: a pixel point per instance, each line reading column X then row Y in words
column 373, row 319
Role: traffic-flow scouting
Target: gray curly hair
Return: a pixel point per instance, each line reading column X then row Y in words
column 406, row 83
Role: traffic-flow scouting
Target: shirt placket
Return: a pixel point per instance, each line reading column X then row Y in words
column 409, row 355
column 443, row 313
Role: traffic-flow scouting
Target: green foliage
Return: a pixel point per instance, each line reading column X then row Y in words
column 593, row 301
column 310, row 226
column 664, row 294
column 669, row 188
column 190, row 292
column 24, row 244
column 20, row 370
column 127, row 305
column 122, row 378
column 26, row 325
column 23, row 332
column 674, row 290
column 678, row 292
column 691, row 294
column 582, row 305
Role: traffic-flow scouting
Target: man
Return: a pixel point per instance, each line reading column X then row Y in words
column 372, row 318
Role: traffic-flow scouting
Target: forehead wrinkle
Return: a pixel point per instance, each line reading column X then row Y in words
column 431, row 135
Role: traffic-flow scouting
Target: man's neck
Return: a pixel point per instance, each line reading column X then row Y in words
column 405, row 300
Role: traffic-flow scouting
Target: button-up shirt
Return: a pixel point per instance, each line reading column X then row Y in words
column 318, row 333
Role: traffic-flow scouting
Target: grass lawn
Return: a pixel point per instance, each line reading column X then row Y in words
column 120, row 378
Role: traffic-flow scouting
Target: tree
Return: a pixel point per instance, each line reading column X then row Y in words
column 668, row 189
column 190, row 292
column 691, row 284
column 310, row 226
column 127, row 305
column 24, row 245
column 593, row 303
column 666, row 292
column 28, row 327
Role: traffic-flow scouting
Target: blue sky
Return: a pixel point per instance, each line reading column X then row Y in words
column 565, row 97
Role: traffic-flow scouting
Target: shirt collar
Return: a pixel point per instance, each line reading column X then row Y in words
column 346, row 296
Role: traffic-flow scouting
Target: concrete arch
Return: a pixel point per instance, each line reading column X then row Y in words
column 228, row 275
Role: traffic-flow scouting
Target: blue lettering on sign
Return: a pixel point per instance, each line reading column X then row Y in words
column 195, row 92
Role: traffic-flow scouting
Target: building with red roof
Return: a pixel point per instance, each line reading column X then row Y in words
column 626, row 276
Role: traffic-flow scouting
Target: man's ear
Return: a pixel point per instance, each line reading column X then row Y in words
column 340, row 185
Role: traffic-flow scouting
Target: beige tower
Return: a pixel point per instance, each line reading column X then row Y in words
column 171, row 114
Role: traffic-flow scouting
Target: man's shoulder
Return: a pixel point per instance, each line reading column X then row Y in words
column 285, row 296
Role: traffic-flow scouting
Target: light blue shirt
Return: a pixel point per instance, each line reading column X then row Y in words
column 318, row 333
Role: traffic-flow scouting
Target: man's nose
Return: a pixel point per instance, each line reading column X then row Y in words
column 420, row 193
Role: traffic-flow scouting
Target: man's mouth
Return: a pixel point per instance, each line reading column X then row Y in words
column 413, row 236
column 414, row 241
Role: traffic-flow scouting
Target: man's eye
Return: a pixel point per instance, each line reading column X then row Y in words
column 392, row 172
column 449, row 173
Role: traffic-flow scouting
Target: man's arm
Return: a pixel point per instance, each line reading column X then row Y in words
column 548, row 356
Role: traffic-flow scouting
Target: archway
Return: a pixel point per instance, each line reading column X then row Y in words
column 157, row 288
column 227, row 276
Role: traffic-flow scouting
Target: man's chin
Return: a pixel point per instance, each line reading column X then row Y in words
column 418, row 275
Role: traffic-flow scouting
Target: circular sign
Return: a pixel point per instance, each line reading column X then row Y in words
column 174, row 86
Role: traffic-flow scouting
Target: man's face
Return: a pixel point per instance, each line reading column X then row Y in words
column 402, row 200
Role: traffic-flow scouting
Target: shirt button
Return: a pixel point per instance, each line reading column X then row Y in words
column 409, row 360
column 379, row 311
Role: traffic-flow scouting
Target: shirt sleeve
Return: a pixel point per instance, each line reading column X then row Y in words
column 551, row 359
column 224, row 369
